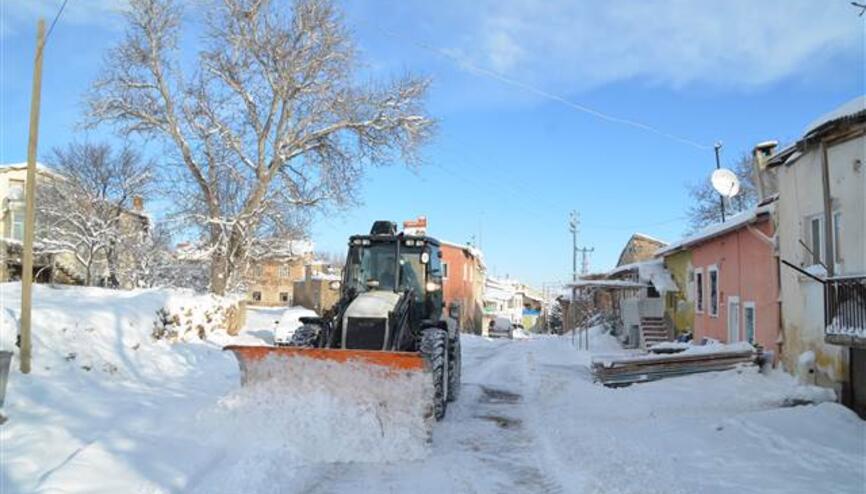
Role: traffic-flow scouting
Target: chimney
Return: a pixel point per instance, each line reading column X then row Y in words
column 765, row 179
column 138, row 204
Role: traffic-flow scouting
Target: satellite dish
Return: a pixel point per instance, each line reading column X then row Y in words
column 725, row 182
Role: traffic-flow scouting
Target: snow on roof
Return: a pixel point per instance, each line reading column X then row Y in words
column 471, row 249
column 41, row 167
column 851, row 108
column 497, row 294
column 650, row 238
column 652, row 271
column 733, row 223
column 581, row 283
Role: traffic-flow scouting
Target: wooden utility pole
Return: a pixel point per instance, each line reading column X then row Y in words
column 718, row 147
column 29, row 197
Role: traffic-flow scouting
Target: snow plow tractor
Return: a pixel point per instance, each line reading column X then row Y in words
column 389, row 322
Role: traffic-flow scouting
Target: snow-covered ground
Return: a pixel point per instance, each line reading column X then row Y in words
column 128, row 414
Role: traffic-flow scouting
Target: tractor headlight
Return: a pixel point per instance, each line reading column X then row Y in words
column 425, row 258
column 432, row 286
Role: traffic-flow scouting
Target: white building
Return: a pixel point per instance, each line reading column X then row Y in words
column 825, row 167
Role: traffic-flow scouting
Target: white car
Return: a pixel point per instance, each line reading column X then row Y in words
column 501, row 328
column 289, row 322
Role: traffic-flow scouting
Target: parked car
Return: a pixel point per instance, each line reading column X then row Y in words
column 288, row 323
column 500, row 327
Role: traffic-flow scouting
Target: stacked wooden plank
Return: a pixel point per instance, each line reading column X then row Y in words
column 621, row 371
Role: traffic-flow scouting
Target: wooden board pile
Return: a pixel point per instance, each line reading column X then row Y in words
column 644, row 368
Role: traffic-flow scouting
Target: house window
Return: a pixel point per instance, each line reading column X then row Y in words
column 651, row 292
column 257, row 271
column 699, row 291
column 713, row 280
column 17, row 232
column 749, row 321
column 444, row 270
column 257, row 296
column 284, row 271
column 284, row 297
column 816, row 240
column 16, row 190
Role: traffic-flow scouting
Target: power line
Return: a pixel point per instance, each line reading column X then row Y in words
column 54, row 21
column 461, row 62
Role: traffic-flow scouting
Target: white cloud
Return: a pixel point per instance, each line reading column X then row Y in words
column 97, row 12
column 671, row 42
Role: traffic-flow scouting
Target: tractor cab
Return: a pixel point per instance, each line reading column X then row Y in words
column 389, row 261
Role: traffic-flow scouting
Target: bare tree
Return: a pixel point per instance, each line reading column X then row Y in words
column 87, row 208
column 270, row 121
column 705, row 209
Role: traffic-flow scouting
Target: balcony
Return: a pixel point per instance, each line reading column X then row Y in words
column 845, row 311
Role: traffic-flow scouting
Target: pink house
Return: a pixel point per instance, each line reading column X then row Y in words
column 734, row 280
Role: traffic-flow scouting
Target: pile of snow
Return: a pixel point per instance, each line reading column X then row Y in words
column 289, row 322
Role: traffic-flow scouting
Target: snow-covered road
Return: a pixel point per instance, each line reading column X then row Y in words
column 109, row 410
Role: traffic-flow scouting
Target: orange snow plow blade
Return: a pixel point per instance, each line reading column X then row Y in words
column 263, row 362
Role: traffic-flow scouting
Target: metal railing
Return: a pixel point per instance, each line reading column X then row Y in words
column 845, row 307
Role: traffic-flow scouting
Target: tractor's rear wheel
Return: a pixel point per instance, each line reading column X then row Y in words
column 305, row 336
column 434, row 349
column 454, row 367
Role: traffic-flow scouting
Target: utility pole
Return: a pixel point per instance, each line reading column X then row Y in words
column 573, row 226
column 584, row 259
column 717, row 148
column 29, row 196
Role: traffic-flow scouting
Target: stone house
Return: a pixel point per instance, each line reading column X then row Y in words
column 320, row 288
column 52, row 265
column 270, row 277
column 639, row 248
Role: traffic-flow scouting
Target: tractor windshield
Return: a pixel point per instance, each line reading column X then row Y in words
column 373, row 267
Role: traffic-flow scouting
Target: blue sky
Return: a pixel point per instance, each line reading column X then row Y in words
column 508, row 163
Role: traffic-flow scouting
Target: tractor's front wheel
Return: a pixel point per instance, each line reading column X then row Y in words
column 434, row 349
column 454, row 367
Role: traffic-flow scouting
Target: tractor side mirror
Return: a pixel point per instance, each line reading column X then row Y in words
column 334, row 285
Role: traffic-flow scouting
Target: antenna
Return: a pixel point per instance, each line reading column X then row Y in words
column 725, row 182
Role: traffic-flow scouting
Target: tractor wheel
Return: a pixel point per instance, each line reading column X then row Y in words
column 305, row 336
column 455, row 362
column 434, row 349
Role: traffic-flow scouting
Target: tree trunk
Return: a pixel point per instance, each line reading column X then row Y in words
column 219, row 273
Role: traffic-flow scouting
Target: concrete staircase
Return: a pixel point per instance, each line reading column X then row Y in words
column 653, row 330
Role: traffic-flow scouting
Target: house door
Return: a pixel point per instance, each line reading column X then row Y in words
column 733, row 319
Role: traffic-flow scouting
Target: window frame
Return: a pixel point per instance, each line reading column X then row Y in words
column 284, row 297
column 713, row 269
column 700, row 290
column 15, row 216
column 819, row 253
column 285, row 271
column 256, row 296
column 745, row 308
column 444, row 265
column 13, row 185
